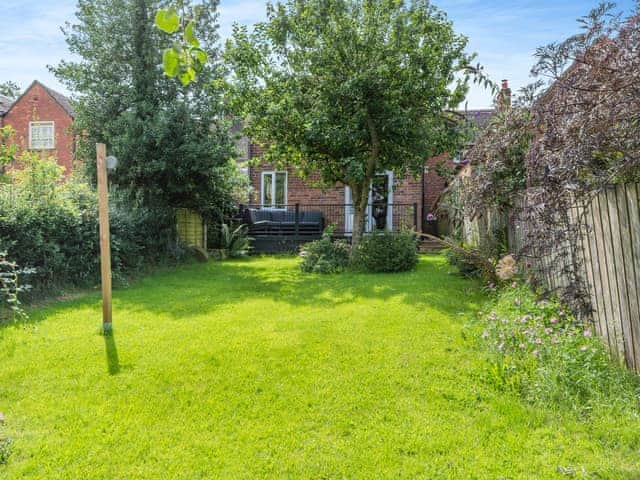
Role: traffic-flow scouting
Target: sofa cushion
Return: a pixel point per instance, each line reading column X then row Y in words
column 277, row 215
column 263, row 215
column 313, row 216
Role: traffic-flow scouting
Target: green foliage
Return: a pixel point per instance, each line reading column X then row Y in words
column 325, row 255
column 498, row 157
column 8, row 149
column 184, row 59
column 10, row 89
column 10, row 289
column 348, row 88
column 544, row 354
column 386, row 252
column 172, row 141
column 478, row 261
column 167, row 20
column 462, row 261
column 5, row 450
column 38, row 177
column 234, row 242
column 52, row 227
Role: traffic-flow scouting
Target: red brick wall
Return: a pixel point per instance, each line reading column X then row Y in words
column 331, row 201
column 434, row 184
column 408, row 190
column 37, row 105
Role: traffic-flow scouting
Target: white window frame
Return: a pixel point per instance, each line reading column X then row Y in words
column 273, row 174
column 52, row 144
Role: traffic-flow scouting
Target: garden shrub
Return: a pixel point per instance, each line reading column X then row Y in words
column 386, row 252
column 481, row 261
column 11, row 289
column 56, row 233
column 547, row 356
column 462, row 262
column 325, row 255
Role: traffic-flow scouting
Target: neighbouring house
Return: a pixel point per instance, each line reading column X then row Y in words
column 5, row 104
column 395, row 203
column 42, row 119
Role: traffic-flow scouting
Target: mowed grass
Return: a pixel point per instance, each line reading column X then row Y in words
column 250, row 369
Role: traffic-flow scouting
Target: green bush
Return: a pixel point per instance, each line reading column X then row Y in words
column 462, row 262
column 57, row 235
column 476, row 261
column 386, row 252
column 548, row 357
column 11, row 289
column 325, row 255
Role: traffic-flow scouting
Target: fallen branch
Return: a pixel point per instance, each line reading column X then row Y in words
column 471, row 255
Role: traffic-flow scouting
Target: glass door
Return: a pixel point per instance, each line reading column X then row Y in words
column 274, row 190
column 379, row 215
column 378, row 210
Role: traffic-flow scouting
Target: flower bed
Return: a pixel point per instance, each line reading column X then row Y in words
column 545, row 354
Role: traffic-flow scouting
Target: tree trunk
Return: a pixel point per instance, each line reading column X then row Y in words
column 360, row 198
column 360, row 193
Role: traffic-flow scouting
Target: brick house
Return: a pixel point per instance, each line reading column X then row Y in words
column 43, row 120
column 395, row 202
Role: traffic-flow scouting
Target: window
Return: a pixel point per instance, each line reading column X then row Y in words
column 41, row 135
column 274, row 189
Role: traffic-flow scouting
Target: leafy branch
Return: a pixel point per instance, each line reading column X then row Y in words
column 184, row 59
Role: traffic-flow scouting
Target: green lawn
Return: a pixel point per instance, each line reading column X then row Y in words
column 249, row 369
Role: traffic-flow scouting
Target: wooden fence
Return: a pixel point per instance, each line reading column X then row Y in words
column 608, row 250
column 191, row 228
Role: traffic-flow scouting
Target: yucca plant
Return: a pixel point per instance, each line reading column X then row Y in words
column 234, row 242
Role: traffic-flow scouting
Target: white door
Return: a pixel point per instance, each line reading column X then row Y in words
column 348, row 211
column 379, row 213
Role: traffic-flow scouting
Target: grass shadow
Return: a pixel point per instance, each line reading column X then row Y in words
column 200, row 290
column 111, row 351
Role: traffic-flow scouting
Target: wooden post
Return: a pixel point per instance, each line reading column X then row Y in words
column 105, row 247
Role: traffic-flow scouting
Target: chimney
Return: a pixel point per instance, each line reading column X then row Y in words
column 503, row 101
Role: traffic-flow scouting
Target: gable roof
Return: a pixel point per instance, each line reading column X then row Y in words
column 59, row 98
column 62, row 100
column 5, row 104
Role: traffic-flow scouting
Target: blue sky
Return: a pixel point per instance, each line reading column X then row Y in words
column 503, row 33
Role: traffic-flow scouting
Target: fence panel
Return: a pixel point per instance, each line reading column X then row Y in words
column 633, row 262
column 607, row 266
column 627, row 282
column 593, row 275
column 608, row 249
column 619, row 293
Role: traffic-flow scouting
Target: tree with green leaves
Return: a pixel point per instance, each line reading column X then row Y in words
column 8, row 149
column 172, row 140
column 349, row 88
column 10, row 89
